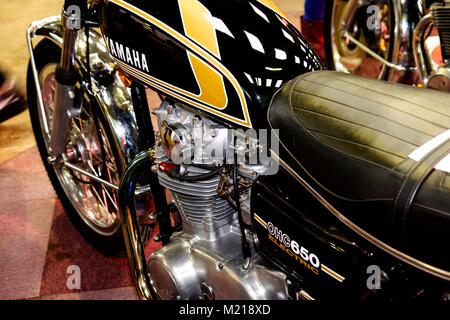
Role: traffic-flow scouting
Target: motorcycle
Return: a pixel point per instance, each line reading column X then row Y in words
column 265, row 176
column 398, row 41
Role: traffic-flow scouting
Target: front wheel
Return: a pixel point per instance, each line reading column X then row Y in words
column 372, row 25
column 92, row 207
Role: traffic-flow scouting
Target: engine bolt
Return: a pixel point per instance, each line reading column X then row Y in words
column 195, row 119
column 207, row 290
column 51, row 160
column 157, row 238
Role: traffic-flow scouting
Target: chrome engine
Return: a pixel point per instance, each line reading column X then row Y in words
column 205, row 260
column 440, row 12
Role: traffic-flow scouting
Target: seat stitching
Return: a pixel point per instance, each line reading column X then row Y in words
column 436, row 211
column 384, row 93
column 331, row 147
column 378, row 102
column 356, row 124
column 360, row 144
column 328, row 190
column 374, row 114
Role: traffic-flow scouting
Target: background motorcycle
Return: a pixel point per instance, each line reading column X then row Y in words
column 243, row 235
column 399, row 41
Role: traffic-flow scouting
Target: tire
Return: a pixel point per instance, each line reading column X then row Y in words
column 92, row 208
column 330, row 46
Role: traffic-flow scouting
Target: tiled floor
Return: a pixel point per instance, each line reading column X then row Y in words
column 37, row 241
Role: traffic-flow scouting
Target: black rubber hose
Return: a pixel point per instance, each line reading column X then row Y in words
column 201, row 177
column 204, row 166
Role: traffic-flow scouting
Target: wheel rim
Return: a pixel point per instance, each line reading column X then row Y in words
column 347, row 57
column 90, row 150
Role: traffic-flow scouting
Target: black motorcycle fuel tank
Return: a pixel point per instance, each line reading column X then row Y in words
column 225, row 58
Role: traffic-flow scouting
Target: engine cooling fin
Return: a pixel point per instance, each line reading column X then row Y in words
column 198, row 202
column 441, row 19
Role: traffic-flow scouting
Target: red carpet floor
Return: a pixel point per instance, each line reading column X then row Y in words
column 38, row 242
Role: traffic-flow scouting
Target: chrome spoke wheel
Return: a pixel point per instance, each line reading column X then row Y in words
column 371, row 26
column 92, row 153
column 89, row 149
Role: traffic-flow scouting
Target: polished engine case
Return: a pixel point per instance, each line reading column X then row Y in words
column 189, row 268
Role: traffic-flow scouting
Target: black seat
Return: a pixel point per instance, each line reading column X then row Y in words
column 353, row 136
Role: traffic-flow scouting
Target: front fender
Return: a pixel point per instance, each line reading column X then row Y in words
column 114, row 99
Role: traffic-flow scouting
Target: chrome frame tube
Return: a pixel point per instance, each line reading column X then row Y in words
column 31, row 33
column 417, row 49
column 403, row 34
column 398, row 32
column 130, row 225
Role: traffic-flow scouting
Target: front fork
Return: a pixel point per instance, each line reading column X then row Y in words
column 65, row 107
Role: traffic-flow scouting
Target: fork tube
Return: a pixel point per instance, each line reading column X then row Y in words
column 65, row 77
